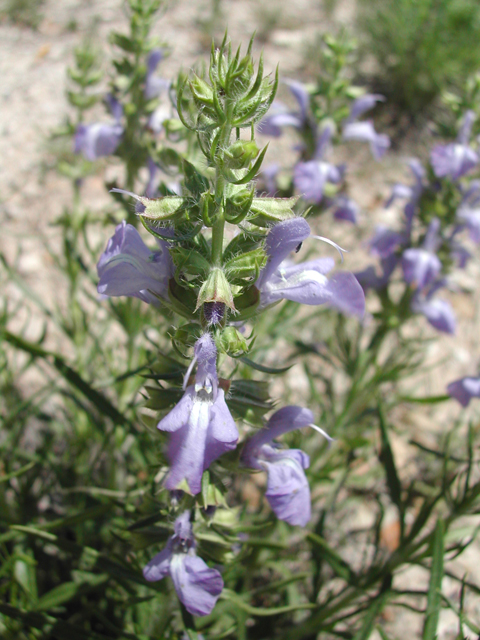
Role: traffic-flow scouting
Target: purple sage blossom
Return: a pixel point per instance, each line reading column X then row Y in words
column 100, row 139
column 345, row 209
column 128, row 267
column 464, row 390
column 280, row 116
column 201, row 426
column 306, row 282
column 197, row 586
column 154, row 85
column 455, row 159
column 421, row 266
column 437, row 311
column 311, row 177
column 365, row 131
column 287, row 492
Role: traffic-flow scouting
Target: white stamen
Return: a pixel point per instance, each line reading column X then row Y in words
column 333, row 244
column 128, row 193
column 324, row 433
column 189, row 371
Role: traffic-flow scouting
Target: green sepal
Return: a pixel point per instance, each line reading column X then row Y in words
column 241, row 243
column 187, row 335
column 163, row 209
column 160, row 398
column 237, row 207
column 208, row 208
column 246, row 303
column 216, row 288
column 202, row 92
column 250, row 400
column 246, row 265
column 267, row 211
column 181, row 299
column 191, row 261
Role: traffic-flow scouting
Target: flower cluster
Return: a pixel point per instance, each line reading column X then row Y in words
column 438, row 207
column 314, row 177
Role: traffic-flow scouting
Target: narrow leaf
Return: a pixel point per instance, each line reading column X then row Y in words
column 434, row 590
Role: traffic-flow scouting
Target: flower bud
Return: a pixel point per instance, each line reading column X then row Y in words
column 216, row 288
column 231, row 342
column 240, row 154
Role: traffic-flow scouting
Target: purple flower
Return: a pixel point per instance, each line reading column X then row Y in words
column 455, row 159
column 197, row 586
column 421, row 266
column 269, row 175
column 311, row 177
column 369, row 279
column 345, row 209
column 464, row 390
column 305, row 282
column 365, row 131
column 287, row 492
column 201, row 426
column 281, row 116
column 438, row 312
column 100, row 139
column 385, row 242
column 468, row 213
column 128, row 267
column 154, row 85
column 363, row 104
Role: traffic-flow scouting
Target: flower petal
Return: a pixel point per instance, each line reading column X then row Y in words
column 197, row 586
column 288, row 492
column 159, row 565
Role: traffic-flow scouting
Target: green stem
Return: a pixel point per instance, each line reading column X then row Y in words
column 219, row 224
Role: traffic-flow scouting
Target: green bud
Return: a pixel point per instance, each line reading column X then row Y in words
column 240, row 154
column 237, row 207
column 216, row 288
column 231, row 342
column 267, row 211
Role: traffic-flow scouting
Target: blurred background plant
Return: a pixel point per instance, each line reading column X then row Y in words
column 418, row 48
column 81, row 495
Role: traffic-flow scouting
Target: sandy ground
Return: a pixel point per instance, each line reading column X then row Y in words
column 32, row 103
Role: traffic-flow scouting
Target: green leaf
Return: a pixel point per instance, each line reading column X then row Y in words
column 263, row 368
column 426, row 400
column 267, row 211
column 18, row 472
column 70, row 375
column 434, row 596
column 388, row 462
column 338, row 564
column 261, row 611
column 57, row 596
column 368, row 625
